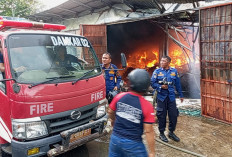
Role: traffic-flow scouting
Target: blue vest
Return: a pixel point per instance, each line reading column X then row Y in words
column 112, row 77
column 169, row 76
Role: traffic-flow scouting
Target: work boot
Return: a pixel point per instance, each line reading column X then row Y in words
column 172, row 136
column 163, row 137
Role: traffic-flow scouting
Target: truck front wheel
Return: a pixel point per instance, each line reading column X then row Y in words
column 4, row 154
column 81, row 151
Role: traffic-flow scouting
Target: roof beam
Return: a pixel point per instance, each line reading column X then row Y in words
column 66, row 10
column 129, row 5
column 81, row 4
column 159, row 6
column 53, row 14
column 107, row 3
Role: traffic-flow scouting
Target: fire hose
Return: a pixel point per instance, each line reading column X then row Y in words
column 178, row 148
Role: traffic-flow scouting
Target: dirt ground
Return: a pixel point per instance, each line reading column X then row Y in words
column 201, row 135
column 204, row 136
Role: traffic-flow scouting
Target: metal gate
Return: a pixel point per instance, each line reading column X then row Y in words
column 96, row 34
column 216, row 61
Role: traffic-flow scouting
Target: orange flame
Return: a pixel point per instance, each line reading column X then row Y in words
column 143, row 59
column 150, row 59
column 178, row 58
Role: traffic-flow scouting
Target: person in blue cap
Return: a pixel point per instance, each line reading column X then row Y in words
column 164, row 80
column 112, row 76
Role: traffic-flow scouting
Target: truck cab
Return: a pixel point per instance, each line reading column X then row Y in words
column 52, row 91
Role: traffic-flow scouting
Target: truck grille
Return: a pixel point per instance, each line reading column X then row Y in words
column 62, row 121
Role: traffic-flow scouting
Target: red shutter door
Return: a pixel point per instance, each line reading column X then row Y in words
column 96, row 34
column 216, row 62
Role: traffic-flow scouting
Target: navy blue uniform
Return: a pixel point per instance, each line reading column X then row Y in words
column 166, row 97
column 67, row 60
column 112, row 77
column 1, row 58
column 2, row 61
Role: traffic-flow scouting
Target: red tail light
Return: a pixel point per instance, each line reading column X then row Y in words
column 7, row 24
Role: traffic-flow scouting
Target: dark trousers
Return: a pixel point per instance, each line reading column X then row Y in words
column 162, row 109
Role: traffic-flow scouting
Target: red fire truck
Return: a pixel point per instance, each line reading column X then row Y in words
column 50, row 101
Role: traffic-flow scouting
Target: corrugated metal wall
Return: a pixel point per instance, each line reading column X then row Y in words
column 97, row 36
column 216, row 62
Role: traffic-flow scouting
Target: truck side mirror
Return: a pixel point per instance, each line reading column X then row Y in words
column 123, row 60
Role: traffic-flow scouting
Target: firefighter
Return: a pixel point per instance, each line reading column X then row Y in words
column 131, row 116
column 63, row 59
column 112, row 76
column 163, row 81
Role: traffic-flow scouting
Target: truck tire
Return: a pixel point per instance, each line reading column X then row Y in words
column 81, row 151
column 4, row 154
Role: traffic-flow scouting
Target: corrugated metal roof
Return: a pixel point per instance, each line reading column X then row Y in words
column 178, row 1
column 77, row 8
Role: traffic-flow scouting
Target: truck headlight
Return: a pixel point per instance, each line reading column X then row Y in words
column 28, row 130
column 101, row 109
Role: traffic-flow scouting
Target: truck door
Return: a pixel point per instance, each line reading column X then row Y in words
column 5, row 122
column 96, row 34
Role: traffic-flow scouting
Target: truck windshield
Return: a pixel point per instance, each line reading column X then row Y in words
column 36, row 58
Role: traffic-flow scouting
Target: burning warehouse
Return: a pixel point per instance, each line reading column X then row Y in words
column 146, row 30
column 144, row 42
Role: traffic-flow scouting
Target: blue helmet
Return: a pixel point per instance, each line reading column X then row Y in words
column 139, row 80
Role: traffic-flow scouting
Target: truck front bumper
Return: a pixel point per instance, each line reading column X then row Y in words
column 58, row 144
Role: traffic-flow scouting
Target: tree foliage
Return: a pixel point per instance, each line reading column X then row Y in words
column 17, row 8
